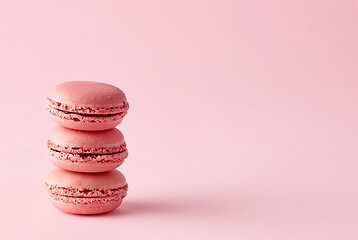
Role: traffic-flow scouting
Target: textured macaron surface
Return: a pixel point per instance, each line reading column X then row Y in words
column 86, row 151
column 86, row 188
column 86, row 97
column 86, row 196
column 63, row 191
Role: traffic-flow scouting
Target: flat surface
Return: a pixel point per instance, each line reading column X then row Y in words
column 242, row 125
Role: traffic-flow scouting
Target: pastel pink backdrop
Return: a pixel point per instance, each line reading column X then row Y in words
column 243, row 118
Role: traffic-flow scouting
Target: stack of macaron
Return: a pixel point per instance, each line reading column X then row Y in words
column 86, row 147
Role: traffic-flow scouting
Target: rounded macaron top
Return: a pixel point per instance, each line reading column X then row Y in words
column 67, row 179
column 86, row 139
column 87, row 94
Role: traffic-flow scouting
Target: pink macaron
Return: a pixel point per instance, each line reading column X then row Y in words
column 86, row 193
column 86, row 151
column 85, row 105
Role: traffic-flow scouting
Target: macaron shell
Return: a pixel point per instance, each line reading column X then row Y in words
column 86, row 126
column 88, row 94
column 77, row 184
column 86, row 209
column 68, row 179
column 74, row 138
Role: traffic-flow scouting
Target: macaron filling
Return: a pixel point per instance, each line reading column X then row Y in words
column 86, row 196
column 88, row 110
column 86, row 150
column 94, row 158
column 88, row 118
column 114, row 154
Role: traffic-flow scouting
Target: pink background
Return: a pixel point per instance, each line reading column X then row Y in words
column 243, row 118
